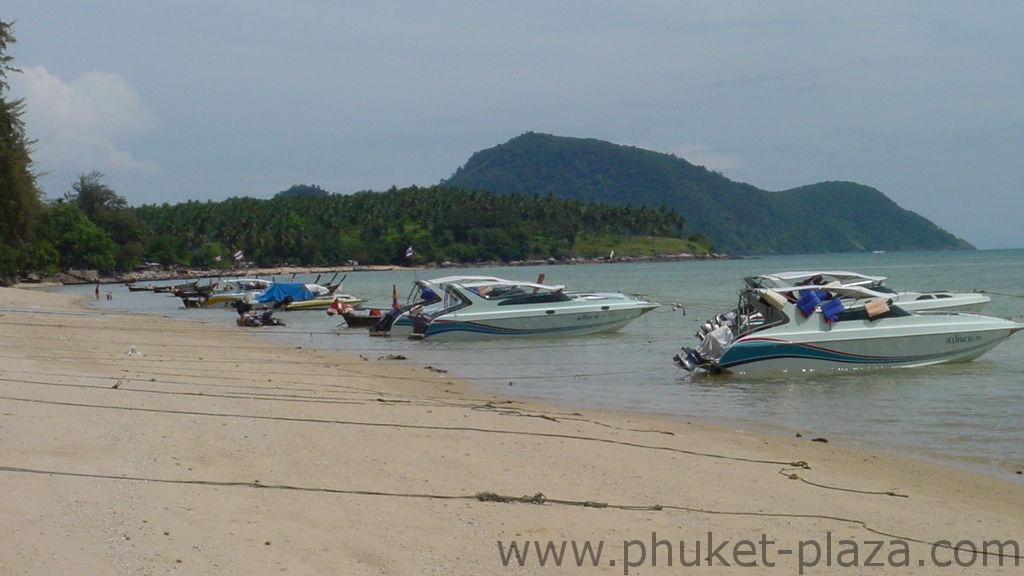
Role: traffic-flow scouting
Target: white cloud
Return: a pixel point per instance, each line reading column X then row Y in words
column 85, row 124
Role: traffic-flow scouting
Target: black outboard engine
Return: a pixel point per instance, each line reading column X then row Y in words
column 688, row 359
column 383, row 326
column 419, row 326
column 267, row 319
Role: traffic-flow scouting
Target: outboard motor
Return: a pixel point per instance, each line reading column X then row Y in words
column 688, row 359
column 383, row 326
column 419, row 326
column 267, row 319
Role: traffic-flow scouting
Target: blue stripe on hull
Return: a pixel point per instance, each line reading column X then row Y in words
column 749, row 352
column 440, row 327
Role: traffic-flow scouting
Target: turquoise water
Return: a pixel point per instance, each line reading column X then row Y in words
column 972, row 413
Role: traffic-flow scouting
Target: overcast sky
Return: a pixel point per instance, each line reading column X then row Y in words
column 216, row 98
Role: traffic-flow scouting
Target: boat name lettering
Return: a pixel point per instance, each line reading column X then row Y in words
column 958, row 339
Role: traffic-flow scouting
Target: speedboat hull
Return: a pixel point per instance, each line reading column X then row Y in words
column 576, row 321
column 932, row 338
column 486, row 306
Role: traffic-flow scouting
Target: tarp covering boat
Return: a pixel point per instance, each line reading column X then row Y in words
column 291, row 292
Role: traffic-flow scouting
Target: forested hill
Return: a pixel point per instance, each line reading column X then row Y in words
column 304, row 226
column 738, row 218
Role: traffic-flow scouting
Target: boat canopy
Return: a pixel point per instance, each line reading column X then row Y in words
column 823, row 292
column 295, row 291
column 459, row 279
column 797, row 278
column 491, row 289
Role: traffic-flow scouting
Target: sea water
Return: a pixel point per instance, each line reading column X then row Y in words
column 971, row 413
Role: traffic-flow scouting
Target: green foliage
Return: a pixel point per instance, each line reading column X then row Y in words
column 45, row 257
column 739, row 218
column 169, row 251
column 20, row 202
column 377, row 227
column 305, row 190
column 6, row 39
column 597, row 246
column 110, row 212
column 78, row 241
column 212, row 255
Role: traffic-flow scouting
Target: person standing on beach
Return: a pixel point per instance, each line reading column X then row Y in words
column 97, row 290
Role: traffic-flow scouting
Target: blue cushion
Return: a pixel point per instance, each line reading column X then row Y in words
column 808, row 301
column 832, row 308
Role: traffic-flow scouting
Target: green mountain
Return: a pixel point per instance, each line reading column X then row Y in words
column 738, row 218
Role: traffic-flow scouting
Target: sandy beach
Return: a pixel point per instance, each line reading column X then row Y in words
column 137, row 445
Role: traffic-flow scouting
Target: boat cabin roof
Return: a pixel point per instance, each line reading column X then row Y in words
column 484, row 284
column 849, row 291
column 812, row 277
column 460, row 279
column 486, row 287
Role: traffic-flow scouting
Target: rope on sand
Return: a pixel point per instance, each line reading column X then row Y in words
column 537, row 499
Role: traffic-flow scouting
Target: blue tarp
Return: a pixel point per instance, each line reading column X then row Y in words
column 279, row 291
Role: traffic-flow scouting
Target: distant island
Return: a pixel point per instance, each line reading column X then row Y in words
column 738, row 218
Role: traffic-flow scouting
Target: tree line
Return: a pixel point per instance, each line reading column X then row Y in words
column 92, row 226
column 441, row 224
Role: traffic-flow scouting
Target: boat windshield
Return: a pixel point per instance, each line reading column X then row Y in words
column 531, row 298
column 510, row 293
column 754, row 313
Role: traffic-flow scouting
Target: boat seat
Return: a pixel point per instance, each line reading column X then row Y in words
column 774, row 299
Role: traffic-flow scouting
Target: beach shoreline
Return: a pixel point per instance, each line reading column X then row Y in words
column 73, row 277
column 141, row 444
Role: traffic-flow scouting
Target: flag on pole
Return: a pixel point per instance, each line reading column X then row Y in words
column 239, row 255
column 408, row 251
column 394, row 297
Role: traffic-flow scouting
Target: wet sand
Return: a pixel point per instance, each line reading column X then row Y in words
column 135, row 444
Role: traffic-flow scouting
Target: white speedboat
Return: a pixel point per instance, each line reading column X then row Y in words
column 396, row 322
column 844, row 328
column 909, row 300
column 229, row 292
column 498, row 307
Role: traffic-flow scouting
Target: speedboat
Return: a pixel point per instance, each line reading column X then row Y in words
column 909, row 300
column 838, row 327
column 396, row 321
column 498, row 307
column 228, row 293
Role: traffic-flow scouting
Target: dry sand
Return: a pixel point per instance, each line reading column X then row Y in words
column 141, row 445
